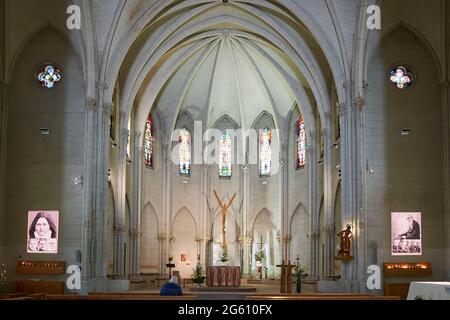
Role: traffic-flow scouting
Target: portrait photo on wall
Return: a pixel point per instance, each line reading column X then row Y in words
column 42, row 231
column 183, row 257
column 406, row 233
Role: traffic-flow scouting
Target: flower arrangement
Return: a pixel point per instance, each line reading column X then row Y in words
column 224, row 256
column 197, row 275
column 260, row 256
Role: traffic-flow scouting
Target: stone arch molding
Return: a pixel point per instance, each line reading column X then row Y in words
column 255, row 218
column 148, row 207
column 186, row 210
column 30, row 37
column 299, row 209
column 118, row 48
column 300, row 55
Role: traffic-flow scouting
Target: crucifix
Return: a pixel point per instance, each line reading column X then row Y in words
column 224, row 209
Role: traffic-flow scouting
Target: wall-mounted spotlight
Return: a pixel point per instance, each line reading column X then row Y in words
column 405, row 131
column 336, row 145
column 114, row 145
column 78, row 181
column 44, row 131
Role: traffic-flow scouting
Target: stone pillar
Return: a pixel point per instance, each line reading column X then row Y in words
column 313, row 207
column 166, row 202
column 103, row 192
column 136, row 211
column 330, row 241
column 328, row 200
column 284, row 196
column 119, row 218
column 246, row 255
column 352, row 140
column 245, row 196
column 3, row 142
column 161, row 259
column 205, row 213
column 445, row 89
column 88, row 220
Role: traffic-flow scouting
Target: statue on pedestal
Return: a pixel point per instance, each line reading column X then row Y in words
column 345, row 244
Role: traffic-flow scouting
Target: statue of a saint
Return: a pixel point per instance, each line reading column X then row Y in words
column 345, row 236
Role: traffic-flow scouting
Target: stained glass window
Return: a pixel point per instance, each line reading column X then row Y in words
column 129, row 139
column 301, row 143
column 265, row 152
column 401, row 77
column 48, row 76
column 148, row 142
column 225, row 154
column 184, row 138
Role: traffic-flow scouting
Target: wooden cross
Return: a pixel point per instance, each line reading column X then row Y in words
column 286, row 277
column 224, row 209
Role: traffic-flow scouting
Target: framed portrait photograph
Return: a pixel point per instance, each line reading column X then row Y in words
column 42, row 231
column 183, row 257
column 406, row 233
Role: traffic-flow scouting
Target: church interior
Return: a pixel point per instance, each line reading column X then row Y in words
column 250, row 149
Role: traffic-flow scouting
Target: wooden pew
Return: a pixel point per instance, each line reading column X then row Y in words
column 320, row 296
column 119, row 296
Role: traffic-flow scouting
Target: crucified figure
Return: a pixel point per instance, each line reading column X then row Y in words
column 224, row 209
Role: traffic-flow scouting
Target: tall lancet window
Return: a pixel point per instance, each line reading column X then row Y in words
column 148, row 142
column 129, row 139
column 184, row 138
column 225, row 154
column 265, row 152
column 301, row 143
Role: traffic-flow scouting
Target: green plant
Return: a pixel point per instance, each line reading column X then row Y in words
column 198, row 275
column 224, row 256
column 259, row 256
column 418, row 297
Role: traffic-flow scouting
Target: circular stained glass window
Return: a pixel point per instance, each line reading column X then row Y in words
column 48, row 75
column 401, row 77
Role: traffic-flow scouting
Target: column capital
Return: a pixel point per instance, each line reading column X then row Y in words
column 359, row 103
column 342, row 108
column 347, row 84
column 107, row 109
column 361, row 225
column 244, row 167
column 118, row 228
column 91, row 104
column 161, row 237
column 329, row 229
column 314, row 235
column 135, row 232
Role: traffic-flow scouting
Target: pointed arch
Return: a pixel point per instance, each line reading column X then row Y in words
column 30, row 37
column 392, row 30
column 225, row 122
column 184, row 210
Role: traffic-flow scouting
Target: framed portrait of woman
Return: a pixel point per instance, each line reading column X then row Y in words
column 42, row 231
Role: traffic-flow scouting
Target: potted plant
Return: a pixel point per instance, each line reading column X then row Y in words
column 259, row 256
column 224, row 256
column 197, row 275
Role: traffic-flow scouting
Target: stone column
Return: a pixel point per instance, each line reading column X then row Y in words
column 328, row 200
column 161, row 259
column 245, row 196
column 103, row 192
column 119, row 218
column 284, row 196
column 445, row 89
column 205, row 213
column 3, row 142
column 136, row 211
column 246, row 255
column 313, row 206
column 166, row 202
column 88, row 220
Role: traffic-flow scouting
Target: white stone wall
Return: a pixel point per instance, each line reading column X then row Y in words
column 407, row 170
column 41, row 168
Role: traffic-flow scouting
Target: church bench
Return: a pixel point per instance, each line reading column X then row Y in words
column 12, row 295
column 120, row 296
column 321, row 297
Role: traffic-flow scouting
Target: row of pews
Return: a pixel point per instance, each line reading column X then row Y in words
column 153, row 296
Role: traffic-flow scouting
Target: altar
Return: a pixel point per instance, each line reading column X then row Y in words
column 223, row 276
